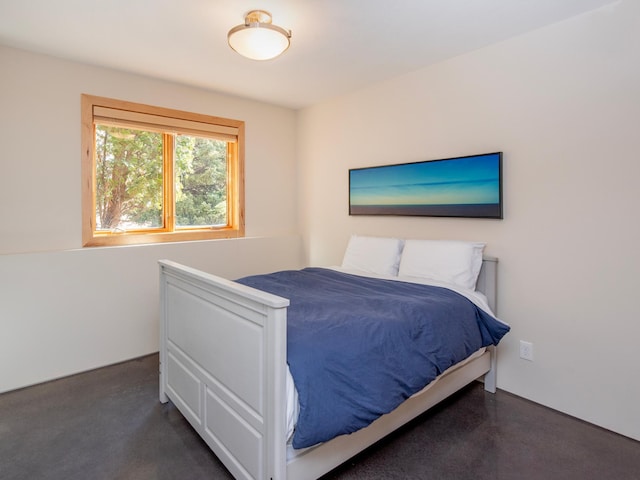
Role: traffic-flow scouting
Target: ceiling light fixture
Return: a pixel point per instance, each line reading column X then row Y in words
column 258, row 38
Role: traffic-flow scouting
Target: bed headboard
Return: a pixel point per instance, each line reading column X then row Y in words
column 488, row 281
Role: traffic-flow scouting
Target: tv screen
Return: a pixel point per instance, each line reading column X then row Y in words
column 468, row 186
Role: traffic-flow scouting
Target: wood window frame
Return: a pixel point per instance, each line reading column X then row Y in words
column 150, row 117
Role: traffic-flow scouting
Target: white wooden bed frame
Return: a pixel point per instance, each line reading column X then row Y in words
column 223, row 365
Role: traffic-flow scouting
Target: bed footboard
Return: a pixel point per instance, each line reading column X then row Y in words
column 223, row 364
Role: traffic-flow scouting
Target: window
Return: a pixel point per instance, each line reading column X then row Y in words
column 151, row 174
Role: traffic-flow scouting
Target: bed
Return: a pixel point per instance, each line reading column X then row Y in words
column 223, row 361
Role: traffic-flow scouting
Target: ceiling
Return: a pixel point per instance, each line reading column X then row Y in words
column 337, row 46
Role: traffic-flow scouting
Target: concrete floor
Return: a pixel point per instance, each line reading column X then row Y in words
column 108, row 424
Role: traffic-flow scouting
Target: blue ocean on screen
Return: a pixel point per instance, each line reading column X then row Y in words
column 465, row 186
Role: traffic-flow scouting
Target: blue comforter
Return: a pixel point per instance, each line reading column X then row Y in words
column 357, row 347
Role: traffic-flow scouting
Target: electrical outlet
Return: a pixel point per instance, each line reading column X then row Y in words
column 526, row 350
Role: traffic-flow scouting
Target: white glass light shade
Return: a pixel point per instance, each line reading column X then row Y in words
column 258, row 39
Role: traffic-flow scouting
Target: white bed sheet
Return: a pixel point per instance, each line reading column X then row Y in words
column 293, row 406
column 475, row 296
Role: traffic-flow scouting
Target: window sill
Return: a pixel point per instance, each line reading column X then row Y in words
column 115, row 239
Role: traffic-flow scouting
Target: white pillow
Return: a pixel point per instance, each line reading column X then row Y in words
column 454, row 262
column 377, row 255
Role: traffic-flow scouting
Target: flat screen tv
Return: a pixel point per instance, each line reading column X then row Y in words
column 468, row 186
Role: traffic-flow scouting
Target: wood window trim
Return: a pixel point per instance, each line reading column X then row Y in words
column 235, row 189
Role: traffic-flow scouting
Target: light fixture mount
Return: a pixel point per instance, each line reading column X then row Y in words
column 257, row 16
column 258, row 38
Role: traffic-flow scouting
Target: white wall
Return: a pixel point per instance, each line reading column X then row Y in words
column 70, row 311
column 40, row 133
column 64, row 309
column 563, row 105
